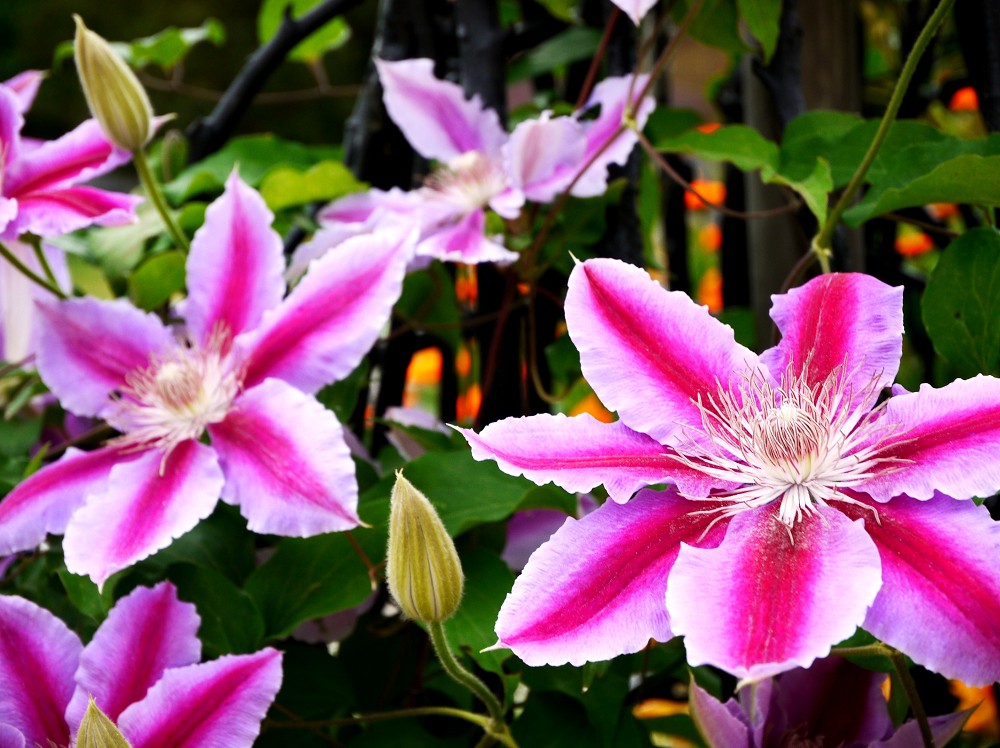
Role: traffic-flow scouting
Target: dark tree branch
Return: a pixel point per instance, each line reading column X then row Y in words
column 978, row 25
column 210, row 133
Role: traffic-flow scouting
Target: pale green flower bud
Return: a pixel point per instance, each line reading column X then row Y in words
column 115, row 97
column 97, row 731
column 425, row 575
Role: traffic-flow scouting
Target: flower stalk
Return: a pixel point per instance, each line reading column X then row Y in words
column 31, row 274
column 152, row 188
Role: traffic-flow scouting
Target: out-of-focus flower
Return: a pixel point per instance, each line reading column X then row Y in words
column 711, row 190
column 39, row 180
column 964, row 99
column 479, row 165
column 529, row 528
column 982, row 705
column 19, row 296
column 422, row 567
column 942, row 211
column 794, row 484
column 142, row 669
column 911, row 243
column 710, row 237
column 242, row 371
column 635, row 9
column 833, row 703
column 710, row 290
column 115, row 97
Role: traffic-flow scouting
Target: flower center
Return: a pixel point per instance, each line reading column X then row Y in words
column 468, row 181
column 795, row 443
column 177, row 395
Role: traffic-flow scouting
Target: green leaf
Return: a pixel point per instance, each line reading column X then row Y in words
column 18, row 435
column 564, row 10
column 230, row 622
column 156, row 280
column 487, row 581
column 82, row 592
column 965, row 179
column 717, row 24
column 429, row 299
column 763, row 18
column 742, row 146
column 332, row 35
column 169, row 47
column 288, row 186
column 555, row 720
column 308, row 578
column 961, row 305
column 342, row 397
column 220, row 543
column 669, row 122
column 255, row 156
column 573, row 45
column 814, row 188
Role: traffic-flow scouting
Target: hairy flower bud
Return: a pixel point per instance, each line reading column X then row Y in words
column 115, row 97
column 97, row 731
column 425, row 575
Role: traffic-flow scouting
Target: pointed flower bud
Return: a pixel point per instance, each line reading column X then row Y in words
column 97, row 731
column 115, row 97
column 425, row 575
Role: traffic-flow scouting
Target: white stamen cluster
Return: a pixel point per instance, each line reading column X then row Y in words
column 177, row 395
column 798, row 443
column 469, row 181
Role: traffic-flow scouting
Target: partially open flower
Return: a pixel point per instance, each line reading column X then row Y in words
column 424, row 573
column 115, row 97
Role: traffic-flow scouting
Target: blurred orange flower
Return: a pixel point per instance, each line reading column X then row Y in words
column 712, row 191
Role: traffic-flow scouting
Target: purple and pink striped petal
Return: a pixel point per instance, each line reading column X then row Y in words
column 38, row 656
column 11, row 122
column 54, row 212
column 543, row 155
column 434, row 115
column 940, row 593
column 847, row 320
column 635, row 9
column 331, row 319
column 78, row 156
column 25, row 87
column 234, row 270
column 580, row 453
column 87, row 347
column 649, row 354
column 148, row 631
column 45, row 501
column 943, row 730
column 218, row 703
column 595, row 589
column 149, row 502
column 721, row 725
column 464, row 241
column 11, row 737
column 760, row 604
column 944, row 439
column 286, row 463
column 607, row 142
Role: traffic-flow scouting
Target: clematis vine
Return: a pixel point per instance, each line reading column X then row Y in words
column 241, row 371
column 40, row 190
column 142, row 668
column 833, row 703
column 479, row 165
column 801, row 507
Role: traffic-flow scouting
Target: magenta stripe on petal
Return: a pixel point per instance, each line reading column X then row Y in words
column 86, row 347
column 148, row 631
column 595, row 589
column 236, row 263
column 760, row 603
column 45, row 501
column 38, row 656
column 58, row 211
column 648, row 352
column 947, row 440
column 218, row 703
column 149, row 502
column 331, row 319
column 841, row 319
column 940, row 598
column 581, row 453
column 286, row 463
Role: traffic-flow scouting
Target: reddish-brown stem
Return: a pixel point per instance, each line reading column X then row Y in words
column 595, row 64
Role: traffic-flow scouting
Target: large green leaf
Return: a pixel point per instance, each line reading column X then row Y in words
column 742, row 146
column 169, row 47
column 487, row 581
column 428, row 299
column 763, row 19
column 230, row 622
column 716, row 24
column 308, row 578
column 156, row 280
column 961, row 306
column 288, row 186
column 572, row 45
column 330, row 36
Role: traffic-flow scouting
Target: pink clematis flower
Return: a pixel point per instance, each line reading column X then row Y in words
column 143, row 669
column 635, row 9
column 479, row 165
column 803, row 508
column 242, row 371
column 833, row 703
column 39, row 180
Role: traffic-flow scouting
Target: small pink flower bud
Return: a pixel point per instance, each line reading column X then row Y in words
column 115, row 97
column 424, row 573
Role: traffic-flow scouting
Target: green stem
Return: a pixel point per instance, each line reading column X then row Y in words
column 159, row 202
column 821, row 245
column 916, row 705
column 43, row 261
column 30, row 274
column 497, row 727
column 868, row 650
